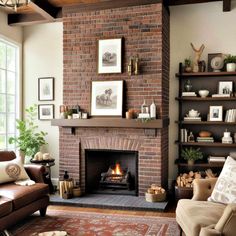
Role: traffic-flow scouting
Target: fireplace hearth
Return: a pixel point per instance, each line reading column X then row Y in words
column 111, row 171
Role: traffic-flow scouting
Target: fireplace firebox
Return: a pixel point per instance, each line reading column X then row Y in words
column 111, row 172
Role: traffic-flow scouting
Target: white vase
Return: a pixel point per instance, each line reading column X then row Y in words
column 153, row 112
column 22, row 156
column 230, row 67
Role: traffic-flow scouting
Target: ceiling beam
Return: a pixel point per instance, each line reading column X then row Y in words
column 44, row 12
column 45, row 9
column 226, row 5
column 111, row 4
column 25, row 19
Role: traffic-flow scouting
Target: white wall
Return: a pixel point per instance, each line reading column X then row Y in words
column 200, row 24
column 43, row 57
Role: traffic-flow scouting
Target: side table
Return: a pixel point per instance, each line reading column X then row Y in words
column 47, row 176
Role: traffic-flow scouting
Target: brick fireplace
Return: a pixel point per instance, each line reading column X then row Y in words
column 145, row 30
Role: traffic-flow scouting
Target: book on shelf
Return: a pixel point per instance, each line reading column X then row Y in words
column 192, row 118
column 205, row 139
column 189, row 94
column 220, row 95
column 230, row 115
column 183, row 135
column 216, row 159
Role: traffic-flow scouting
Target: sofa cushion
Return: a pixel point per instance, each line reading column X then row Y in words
column 225, row 187
column 23, row 195
column 5, row 206
column 192, row 215
column 12, row 170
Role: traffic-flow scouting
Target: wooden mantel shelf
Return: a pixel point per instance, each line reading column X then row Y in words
column 111, row 123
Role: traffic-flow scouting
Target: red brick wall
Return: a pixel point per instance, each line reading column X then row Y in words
column 145, row 30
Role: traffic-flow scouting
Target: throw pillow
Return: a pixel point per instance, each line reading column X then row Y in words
column 12, row 170
column 225, row 188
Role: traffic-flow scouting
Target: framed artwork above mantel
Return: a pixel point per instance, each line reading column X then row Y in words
column 109, row 54
column 107, row 98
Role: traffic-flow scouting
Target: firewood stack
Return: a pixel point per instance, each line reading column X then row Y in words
column 155, row 194
column 186, row 180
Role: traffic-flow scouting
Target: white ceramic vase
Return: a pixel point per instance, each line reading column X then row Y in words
column 230, row 67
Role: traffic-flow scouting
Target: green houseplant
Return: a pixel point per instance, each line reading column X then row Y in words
column 230, row 62
column 191, row 154
column 187, row 65
column 29, row 140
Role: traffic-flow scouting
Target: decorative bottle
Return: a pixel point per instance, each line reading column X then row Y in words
column 153, row 110
column 66, row 176
column 144, row 108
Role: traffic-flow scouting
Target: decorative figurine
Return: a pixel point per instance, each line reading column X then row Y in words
column 198, row 53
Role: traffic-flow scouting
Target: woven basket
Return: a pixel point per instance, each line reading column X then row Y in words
column 160, row 197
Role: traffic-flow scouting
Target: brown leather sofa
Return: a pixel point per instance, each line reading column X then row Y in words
column 17, row 202
column 199, row 217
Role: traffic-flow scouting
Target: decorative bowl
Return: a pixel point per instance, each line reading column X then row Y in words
column 203, row 93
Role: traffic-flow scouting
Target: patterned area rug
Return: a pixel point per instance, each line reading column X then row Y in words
column 77, row 223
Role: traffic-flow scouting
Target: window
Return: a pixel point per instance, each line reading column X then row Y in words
column 9, row 84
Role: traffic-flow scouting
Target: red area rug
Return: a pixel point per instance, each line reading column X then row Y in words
column 97, row 224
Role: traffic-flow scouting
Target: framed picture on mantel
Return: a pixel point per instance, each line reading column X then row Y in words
column 109, row 56
column 107, row 98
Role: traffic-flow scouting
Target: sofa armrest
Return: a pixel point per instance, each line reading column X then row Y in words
column 227, row 223
column 209, row 231
column 35, row 172
column 202, row 188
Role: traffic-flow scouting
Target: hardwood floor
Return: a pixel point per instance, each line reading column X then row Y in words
column 169, row 213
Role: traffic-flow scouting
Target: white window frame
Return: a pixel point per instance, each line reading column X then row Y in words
column 18, row 88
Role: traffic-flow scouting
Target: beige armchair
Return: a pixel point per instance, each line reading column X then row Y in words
column 201, row 217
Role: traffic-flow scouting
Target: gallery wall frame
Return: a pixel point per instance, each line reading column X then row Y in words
column 45, row 111
column 46, row 89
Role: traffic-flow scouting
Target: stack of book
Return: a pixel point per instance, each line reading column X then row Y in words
column 197, row 118
column 183, row 135
column 205, row 139
column 220, row 95
column 189, row 94
column 216, row 159
column 230, row 115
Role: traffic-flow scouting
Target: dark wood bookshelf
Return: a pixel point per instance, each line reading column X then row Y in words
column 205, row 74
column 207, row 99
column 205, row 123
column 207, row 144
column 206, row 165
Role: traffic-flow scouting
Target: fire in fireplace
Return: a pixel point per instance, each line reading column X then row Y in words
column 111, row 172
column 115, row 177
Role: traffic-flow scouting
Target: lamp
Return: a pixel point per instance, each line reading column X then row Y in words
column 13, row 4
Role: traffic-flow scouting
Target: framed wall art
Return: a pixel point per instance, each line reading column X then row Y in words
column 225, row 87
column 109, row 56
column 46, row 112
column 107, row 98
column 216, row 113
column 46, row 89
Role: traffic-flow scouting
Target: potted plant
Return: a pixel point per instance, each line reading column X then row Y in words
column 230, row 61
column 191, row 155
column 29, row 140
column 187, row 65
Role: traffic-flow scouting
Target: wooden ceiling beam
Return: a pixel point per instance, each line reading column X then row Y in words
column 45, row 9
column 25, row 19
column 44, row 12
column 226, row 5
column 110, row 4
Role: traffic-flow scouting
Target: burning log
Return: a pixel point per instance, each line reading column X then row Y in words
column 115, row 178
